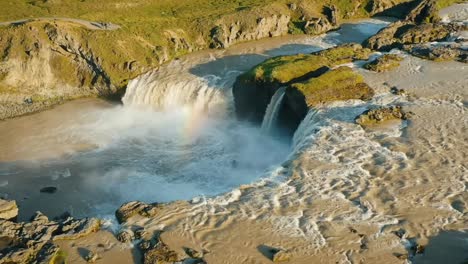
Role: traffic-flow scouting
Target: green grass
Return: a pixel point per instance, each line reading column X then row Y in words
column 284, row 69
column 338, row 84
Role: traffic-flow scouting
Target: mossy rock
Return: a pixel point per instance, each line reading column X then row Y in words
column 344, row 54
column 384, row 63
column 338, row 84
column 254, row 89
column 382, row 114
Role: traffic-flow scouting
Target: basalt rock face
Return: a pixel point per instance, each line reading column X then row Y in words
column 32, row 242
column 309, row 81
column 225, row 35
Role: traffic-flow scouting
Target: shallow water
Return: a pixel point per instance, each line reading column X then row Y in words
column 174, row 138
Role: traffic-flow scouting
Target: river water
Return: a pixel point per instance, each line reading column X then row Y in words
column 175, row 136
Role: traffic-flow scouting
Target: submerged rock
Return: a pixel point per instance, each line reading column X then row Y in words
column 131, row 209
column 281, row 256
column 49, row 189
column 91, row 257
column 384, row 63
column 381, row 114
column 8, row 210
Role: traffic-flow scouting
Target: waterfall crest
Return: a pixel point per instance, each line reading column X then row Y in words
column 165, row 92
column 272, row 111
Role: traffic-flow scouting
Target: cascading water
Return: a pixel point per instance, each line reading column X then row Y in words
column 272, row 111
column 169, row 92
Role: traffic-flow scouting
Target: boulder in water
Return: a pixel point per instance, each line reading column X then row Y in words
column 49, row 189
column 384, row 63
column 131, row 209
column 381, row 114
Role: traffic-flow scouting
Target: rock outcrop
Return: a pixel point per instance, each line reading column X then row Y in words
column 32, row 242
column 438, row 52
column 384, row 63
column 131, row 209
column 225, row 35
column 420, row 24
column 302, row 75
column 155, row 251
column 416, row 11
column 398, row 34
column 8, row 210
column 335, row 85
column 379, row 115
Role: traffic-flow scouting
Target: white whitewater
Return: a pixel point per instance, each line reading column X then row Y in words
column 272, row 111
column 165, row 91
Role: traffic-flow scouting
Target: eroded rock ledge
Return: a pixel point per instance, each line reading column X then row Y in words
column 33, row 242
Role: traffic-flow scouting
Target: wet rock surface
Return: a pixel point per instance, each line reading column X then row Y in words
column 421, row 24
column 131, row 209
column 379, row 115
column 384, row 63
column 438, row 52
column 401, row 33
column 32, row 242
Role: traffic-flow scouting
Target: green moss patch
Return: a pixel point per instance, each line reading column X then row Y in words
column 338, row 84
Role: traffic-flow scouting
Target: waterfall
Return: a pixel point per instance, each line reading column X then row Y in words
column 305, row 129
column 165, row 91
column 272, row 111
